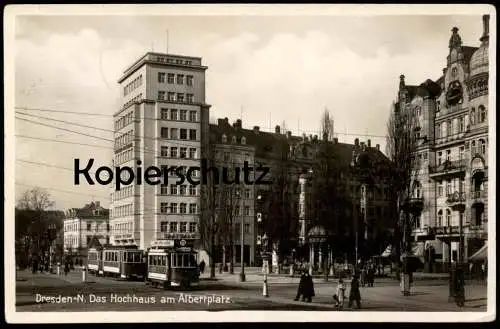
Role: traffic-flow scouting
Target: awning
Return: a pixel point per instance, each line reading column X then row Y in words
column 480, row 255
column 387, row 252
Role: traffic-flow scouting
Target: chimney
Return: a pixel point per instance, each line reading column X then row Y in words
column 226, row 121
column 289, row 134
column 356, row 142
column 239, row 123
column 277, row 129
column 315, row 138
column 220, row 122
column 369, row 143
column 98, row 204
column 401, row 81
column 378, row 147
column 256, row 129
column 486, row 28
column 335, row 140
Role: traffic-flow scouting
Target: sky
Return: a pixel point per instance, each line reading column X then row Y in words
column 266, row 70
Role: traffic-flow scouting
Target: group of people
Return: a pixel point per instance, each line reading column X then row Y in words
column 368, row 275
column 306, row 291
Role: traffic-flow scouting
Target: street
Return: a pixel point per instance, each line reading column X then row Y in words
column 49, row 292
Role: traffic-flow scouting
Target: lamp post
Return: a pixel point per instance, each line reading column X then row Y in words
column 265, row 257
column 242, row 238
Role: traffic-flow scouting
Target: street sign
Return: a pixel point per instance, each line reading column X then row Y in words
column 162, row 243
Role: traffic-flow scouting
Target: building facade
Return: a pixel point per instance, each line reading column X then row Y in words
column 161, row 123
column 452, row 155
column 84, row 227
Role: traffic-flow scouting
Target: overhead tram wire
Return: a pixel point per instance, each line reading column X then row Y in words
column 142, row 118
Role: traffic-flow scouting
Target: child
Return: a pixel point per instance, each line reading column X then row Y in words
column 339, row 296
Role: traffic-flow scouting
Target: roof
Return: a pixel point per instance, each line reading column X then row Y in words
column 468, row 52
column 88, row 211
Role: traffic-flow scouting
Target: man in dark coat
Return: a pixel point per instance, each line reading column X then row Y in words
column 202, row 266
column 309, row 287
column 354, row 294
column 301, row 289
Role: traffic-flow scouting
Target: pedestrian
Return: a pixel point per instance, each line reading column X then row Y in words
column 371, row 275
column 301, row 288
column 354, row 294
column 363, row 276
column 202, row 266
column 309, row 287
column 66, row 268
column 340, row 295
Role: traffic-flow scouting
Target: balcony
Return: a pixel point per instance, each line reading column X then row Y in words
column 448, row 168
column 450, row 233
column 478, row 231
column 479, row 196
column 413, row 205
column 456, row 201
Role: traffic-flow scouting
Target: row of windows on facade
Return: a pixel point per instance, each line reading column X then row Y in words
column 457, row 125
column 172, row 60
column 124, row 139
column 170, row 78
column 243, row 139
column 178, row 227
column 178, row 190
column 124, row 120
column 175, row 97
column 171, row 114
column 183, row 152
column 91, row 227
column 122, row 228
column 124, row 156
column 181, row 208
column 227, row 156
column 124, row 192
column 176, row 133
column 133, row 100
column 137, row 82
column 377, row 212
column 479, row 149
column 121, row 211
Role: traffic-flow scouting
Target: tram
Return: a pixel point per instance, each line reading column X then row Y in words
column 170, row 267
column 125, row 263
column 94, row 261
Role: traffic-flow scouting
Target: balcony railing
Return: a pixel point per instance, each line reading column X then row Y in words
column 479, row 195
column 446, row 230
column 448, row 166
column 457, row 197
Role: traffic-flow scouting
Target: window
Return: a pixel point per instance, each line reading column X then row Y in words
column 462, row 185
column 192, row 227
column 233, row 139
column 164, row 132
column 461, row 151
column 170, row 78
column 418, row 190
column 482, row 146
column 182, row 208
column 448, row 155
column 89, row 226
column 164, row 114
column 482, row 114
column 438, row 106
column 183, row 153
column 439, row 158
column 161, row 95
column 180, row 79
column 243, row 140
column 246, row 211
column 180, row 97
column 247, row 193
column 164, row 207
column 174, row 133
column 226, row 156
column 164, row 151
column 224, row 138
column 161, row 77
column 183, row 226
column 192, row 190
column 192, row 208
column 173, row 114
column 173, row 189
column 247, row 228
column 171, row 97
column 448, row 187
column 438, row 130
column 163, row 189
column 182, row 190
column 449, row 128
column 183, row 115
column 448, row 217
column 440, row 188
column 172, row 227
column 473, row 147
column 473, row 116
column 173, row 152
column 192, row 153
column 461, row 125
column 440, row 218
column 173, row 208
column 192, row 134
column 192, row 116
column 190, row 98
column 189, row 80
column 183, row 134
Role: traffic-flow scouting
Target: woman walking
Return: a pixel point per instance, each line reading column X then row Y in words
column 354, row 294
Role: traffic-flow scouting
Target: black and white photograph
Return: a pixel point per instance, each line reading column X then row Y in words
column 316, row 162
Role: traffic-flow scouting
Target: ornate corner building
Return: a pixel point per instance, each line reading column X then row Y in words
column 452, row 153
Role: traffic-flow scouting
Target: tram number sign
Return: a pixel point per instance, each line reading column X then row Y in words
column 182, row 243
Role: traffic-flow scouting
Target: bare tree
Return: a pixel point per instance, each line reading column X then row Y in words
column 402, row 143
column 36, row 199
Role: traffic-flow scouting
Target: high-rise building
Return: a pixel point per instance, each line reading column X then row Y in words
column 452, row 154
column 160, row 123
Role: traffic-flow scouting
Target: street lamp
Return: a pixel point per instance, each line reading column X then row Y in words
column 265, row 257
column 242, row 245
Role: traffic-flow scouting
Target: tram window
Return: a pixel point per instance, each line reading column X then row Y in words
column 163, row 260
column 192, row 260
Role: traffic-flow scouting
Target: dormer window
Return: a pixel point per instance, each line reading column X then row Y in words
column 224, row 138
column 233, row 139
column 243, row 140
